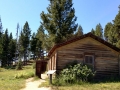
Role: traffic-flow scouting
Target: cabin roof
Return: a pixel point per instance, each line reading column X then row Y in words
column 82, row 37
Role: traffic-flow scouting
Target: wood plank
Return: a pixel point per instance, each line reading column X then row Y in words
column 119, row 63
column 105, row 58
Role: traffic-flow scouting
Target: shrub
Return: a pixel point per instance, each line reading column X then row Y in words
column 34, row 65
column 71, row 64
column 9, row 67
column 19, row 65
column 0, row 69
column 24, row 75
column 76, row 73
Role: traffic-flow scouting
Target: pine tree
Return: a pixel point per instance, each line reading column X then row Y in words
column 1, row 34
column 11, row 48
column 43, row 42
column 5, row 44
column 60, row 20
column 99, row 31
column 79, row 31
column 111, row 35
column 39, row 48
column 1, row 28
column 25, row 40
column 33, row 44
column 41, row 36
column 108, row 30
column 117, row 28
column 93, row 31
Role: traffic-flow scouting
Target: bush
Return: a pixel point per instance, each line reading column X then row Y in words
column 76, row 73
column 9, row 67
column 34, row 65
column 19, row 65
column 0, row 69
column 24, row 75
column 71, row 64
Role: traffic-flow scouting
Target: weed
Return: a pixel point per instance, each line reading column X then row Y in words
column 24, row 75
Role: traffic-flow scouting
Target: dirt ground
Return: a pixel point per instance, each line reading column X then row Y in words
column 33, row 85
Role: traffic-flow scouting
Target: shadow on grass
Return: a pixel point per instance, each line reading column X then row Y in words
column 94, row 81
column 106, row 80
column 10, row 67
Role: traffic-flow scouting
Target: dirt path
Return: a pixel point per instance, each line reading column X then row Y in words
column 33, row 85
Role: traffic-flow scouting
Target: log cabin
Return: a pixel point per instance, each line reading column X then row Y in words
column 103, row 57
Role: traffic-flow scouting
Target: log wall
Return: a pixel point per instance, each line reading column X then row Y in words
column 106, row 59
column 52, row 62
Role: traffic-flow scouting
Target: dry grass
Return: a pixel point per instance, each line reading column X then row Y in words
column 84, row 86
column 8, row 80
column 100, row 86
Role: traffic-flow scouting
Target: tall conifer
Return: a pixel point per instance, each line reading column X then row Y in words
column 60, row 20
column 99, row 31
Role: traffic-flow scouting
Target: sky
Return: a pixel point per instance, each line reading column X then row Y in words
column 89, row 13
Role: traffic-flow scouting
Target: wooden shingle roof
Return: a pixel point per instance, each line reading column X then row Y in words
column 81, row 37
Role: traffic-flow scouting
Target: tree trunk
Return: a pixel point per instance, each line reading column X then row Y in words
column 24, row 58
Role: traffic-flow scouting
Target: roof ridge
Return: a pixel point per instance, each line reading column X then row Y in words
column 81, row 37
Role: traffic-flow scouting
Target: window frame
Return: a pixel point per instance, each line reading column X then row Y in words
column 88, row 61
column 93, row 60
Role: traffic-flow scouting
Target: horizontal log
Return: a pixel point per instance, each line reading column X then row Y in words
column 105, row 58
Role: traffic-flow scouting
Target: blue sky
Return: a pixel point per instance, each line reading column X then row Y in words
column 89, row 13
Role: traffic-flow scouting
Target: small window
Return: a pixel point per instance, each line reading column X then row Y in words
column 89, row 59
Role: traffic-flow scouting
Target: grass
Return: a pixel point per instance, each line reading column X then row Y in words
column 8, row 80
column 111, row 85
column 98, row 86
column 45, row 84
